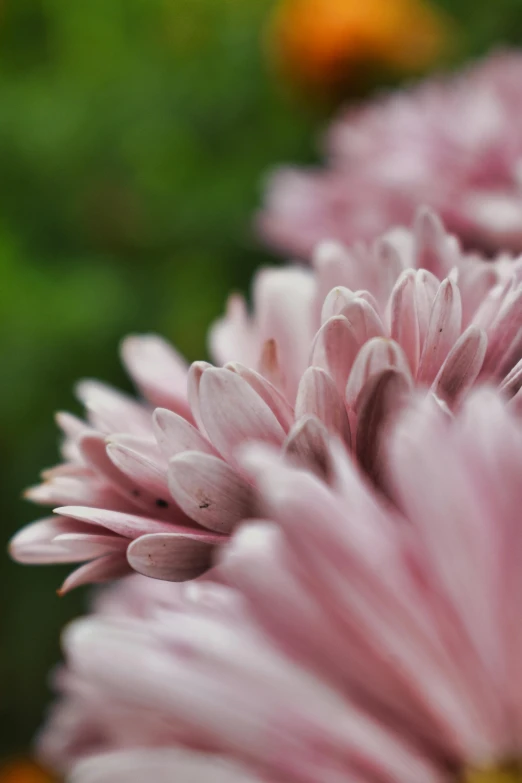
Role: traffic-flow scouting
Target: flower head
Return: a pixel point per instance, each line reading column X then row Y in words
column 359, row 639
column 328, row 352
column 454, row 144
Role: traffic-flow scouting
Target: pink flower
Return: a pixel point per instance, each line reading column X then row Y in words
column 454, row 144
column 332, row 351
column 361, row 640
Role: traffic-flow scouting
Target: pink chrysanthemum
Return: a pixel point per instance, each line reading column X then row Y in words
column 361, row 640
column 328, row 351
column 454, row 144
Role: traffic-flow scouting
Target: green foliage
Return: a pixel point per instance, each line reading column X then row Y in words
column 133, row 138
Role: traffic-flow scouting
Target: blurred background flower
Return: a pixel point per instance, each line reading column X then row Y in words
column 24, row 771
column 325, row 46
column 133, row 138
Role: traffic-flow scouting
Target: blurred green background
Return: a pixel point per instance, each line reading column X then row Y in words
column 134, row 135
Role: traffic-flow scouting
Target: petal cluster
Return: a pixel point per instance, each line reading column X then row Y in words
column 453, row 143
column 328, row 353
column 356, row 639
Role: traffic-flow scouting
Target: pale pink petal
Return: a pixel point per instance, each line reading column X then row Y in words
column 175, row 434
column 335, row 266
column 379, row 401
column 195, row 374
column 73, row 428
column 308, row 446
column 86, row 546
column 512, row 383
column 158, row 370
column 426, row 288
column 435, row 250
column 388, row 266
column 462, row 365
column 35, row 543
column 363, row 320
column 91, row 490
column 210, row 491
column 127, row 525
column 375, row 357
column 403, row 318
column 318, row 396
column 504, row 334
column 270, row 366
column 443, row 330
column 172, row 557
column 112, row 411
column 104, row 569
column 232, row 338
column 143, row 472
column 336, row 301
column 334, row 349
column 284, row 303
column 279, row 406
column 233, row 412
column 94, row 451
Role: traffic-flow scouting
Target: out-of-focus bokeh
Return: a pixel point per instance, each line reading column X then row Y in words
column 134, row 135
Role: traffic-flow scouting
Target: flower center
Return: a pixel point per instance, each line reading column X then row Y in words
column 510, row 772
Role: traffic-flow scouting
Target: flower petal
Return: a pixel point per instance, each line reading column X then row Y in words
column 232, row 412
column 103, row 569
column 159, row 371
column 279, row 406
column 307, row 446
column 111, row 410
column 127, row 525
column 318, row 396
column 334, row 349
column 175, row 434
column 443, row 330
column 462, row 365
column 375, row 356
column 210, row 491
column 380, row 399
column 170, row 556
column 403, row 318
